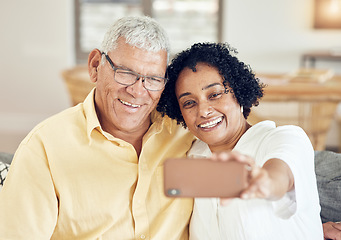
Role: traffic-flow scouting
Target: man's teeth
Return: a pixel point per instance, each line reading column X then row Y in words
column 130, row 104
column 211, row 123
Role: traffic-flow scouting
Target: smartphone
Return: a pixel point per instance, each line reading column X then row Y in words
column 201, row 177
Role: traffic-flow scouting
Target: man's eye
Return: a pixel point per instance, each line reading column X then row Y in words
column 155, row 79
column 129, row 74
column 125, row 73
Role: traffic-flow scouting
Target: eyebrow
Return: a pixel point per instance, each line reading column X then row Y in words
column 204, row 88
column 184, row 94
column 211, row 85
column 125, row 68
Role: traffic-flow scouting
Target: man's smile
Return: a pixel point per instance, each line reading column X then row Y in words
column 129, row 104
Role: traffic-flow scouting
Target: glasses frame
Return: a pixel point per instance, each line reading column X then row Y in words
column 138, row 76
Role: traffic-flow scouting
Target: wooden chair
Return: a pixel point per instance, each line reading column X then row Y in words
column 78, row 83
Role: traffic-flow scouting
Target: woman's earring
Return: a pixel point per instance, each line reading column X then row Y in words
column 241, row 109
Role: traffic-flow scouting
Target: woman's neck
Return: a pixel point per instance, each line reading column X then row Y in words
column 228, row 146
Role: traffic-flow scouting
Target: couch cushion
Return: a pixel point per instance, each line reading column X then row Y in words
column 5, row 160
column 3, row 172
column 6, row 157
column 328, row 175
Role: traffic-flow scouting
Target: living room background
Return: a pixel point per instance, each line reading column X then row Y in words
column 37, row 45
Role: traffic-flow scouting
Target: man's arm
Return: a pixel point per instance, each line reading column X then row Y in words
column 29, row 206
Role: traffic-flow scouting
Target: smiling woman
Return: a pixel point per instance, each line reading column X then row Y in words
column 236, row 77
column 207, row 106
column 211, row 93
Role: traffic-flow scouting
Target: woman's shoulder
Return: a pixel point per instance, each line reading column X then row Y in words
column 264, row 136
column 269, row 127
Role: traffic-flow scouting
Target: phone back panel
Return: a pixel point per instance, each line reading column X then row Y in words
column 194, row 177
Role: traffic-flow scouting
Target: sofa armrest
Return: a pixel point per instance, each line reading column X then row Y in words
column 6, row 157
column 4, row 167
column 328, row 175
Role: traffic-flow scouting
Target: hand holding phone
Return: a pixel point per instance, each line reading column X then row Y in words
column 202, row 177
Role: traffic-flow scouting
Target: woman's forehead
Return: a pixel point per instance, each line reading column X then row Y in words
column 204, row 75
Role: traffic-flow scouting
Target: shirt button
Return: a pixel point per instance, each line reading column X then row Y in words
column 142, row 236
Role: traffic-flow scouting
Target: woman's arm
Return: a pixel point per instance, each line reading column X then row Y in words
column 270, row 182
column 332, row 230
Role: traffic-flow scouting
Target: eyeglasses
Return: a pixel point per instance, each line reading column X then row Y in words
column 128, row 78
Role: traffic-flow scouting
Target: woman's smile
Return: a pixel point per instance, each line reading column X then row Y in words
column 211, row 123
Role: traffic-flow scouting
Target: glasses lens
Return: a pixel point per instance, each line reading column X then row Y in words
column 154, row 83
column 125, row 77
column 128, row 78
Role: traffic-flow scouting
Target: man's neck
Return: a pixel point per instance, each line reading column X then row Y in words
column 133, row 137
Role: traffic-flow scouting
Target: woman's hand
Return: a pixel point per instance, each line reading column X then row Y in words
column 270, row 182
column 332, row 230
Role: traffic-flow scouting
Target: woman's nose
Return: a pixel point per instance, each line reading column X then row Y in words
column 205, row 110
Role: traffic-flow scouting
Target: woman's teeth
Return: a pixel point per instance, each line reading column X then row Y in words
column 211, row 123
column 129, row 104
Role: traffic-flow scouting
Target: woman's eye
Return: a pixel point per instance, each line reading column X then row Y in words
column 215, row 95
column 188, row 104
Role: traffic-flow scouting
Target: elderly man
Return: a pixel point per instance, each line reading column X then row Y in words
column 94, row 171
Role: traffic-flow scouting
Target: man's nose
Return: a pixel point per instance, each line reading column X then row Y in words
column 137, row 89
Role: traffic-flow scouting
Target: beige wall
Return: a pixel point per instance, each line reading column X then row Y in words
column 272, row 35
column 36, row 45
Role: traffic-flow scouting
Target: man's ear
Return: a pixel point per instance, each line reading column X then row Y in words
column 94, row 61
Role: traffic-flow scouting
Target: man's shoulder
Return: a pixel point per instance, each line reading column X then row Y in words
column 61, row 121
column 171, row 129
column 174, row 127
column 66, row 116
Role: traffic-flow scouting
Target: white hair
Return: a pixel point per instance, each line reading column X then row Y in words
column 139, row 31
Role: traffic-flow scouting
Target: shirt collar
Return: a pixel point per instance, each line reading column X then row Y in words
column 90, row 113
column 162, row 122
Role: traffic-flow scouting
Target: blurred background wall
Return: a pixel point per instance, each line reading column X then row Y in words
column 37, row 41
column 272, row 35
column 35, row 45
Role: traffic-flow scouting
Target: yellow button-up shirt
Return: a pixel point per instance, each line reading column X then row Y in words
column 71, row 180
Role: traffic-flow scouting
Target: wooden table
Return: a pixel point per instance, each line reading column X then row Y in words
column 310, row 105
column 309, row 59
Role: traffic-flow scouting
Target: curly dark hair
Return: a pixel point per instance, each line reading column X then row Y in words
column 247, row 89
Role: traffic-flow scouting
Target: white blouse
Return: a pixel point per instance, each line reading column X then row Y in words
column 295, row 216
